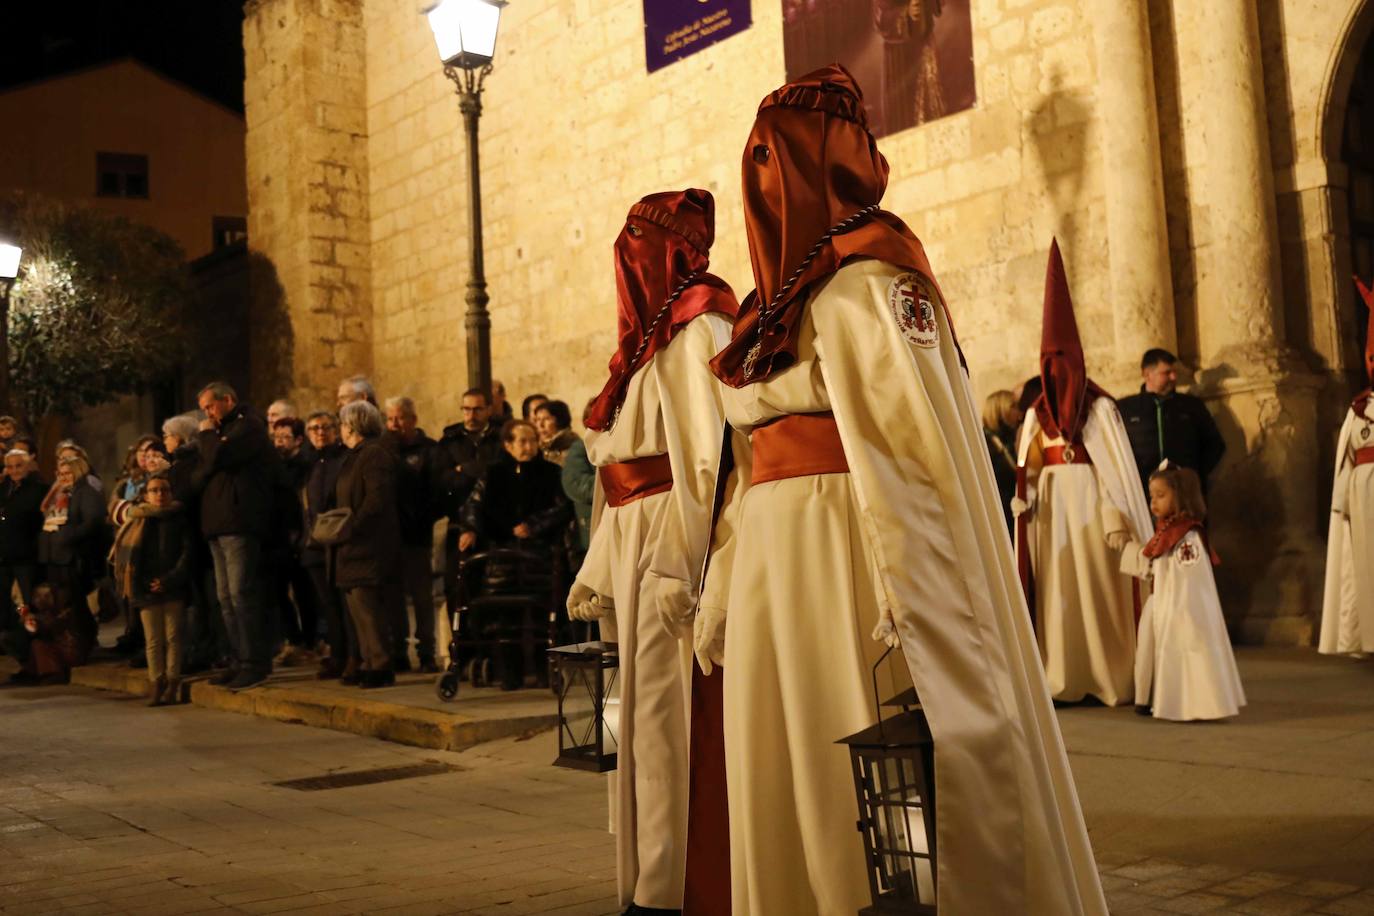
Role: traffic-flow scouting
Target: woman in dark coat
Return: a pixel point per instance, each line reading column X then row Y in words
column 517, row 503
column 73, row 520
column 366, row 555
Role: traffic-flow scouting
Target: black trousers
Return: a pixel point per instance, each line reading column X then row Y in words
column 339, row 632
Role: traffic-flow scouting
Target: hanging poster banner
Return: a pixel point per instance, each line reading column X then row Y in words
column 674, row 29
column 912, row 58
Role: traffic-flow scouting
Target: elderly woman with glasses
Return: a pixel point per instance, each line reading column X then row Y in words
column 366, row 556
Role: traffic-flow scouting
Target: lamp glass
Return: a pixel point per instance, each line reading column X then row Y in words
column 9, row 261
column 465, row 30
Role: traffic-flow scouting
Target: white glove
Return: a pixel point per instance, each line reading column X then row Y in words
column 886, row 630
column 708, row 638
column 675, row 603
column 1020, row 507
column 585, row 604
column 1117, row 539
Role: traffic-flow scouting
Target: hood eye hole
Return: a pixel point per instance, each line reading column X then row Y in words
column 635, row 231
column 761, row 153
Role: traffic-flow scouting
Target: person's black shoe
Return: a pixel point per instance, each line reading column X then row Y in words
column 429, row 667
column 22, row 679
column 635, row 909
column 247, row 678
column 373, row 679
column 1142, row 709
column 400, row 664
column 138, row 661
column 225, row 677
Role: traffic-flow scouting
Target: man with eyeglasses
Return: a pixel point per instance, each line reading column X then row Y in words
column 465, row 450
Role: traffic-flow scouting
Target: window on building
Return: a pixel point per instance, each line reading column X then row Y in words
column 121, row 175
column 228, row 230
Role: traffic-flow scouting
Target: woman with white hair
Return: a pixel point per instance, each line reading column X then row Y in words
column 367, row 547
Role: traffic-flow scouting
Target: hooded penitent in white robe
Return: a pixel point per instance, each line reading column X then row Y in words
column 1085, row 607
column 1184, row 666
column 1348, row 601
column 808, row 568
column 671, row 407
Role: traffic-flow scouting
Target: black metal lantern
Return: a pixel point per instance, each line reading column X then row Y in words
column 894, row 780
column 584, row 674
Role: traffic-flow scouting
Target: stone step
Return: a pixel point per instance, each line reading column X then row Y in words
column 477, row 716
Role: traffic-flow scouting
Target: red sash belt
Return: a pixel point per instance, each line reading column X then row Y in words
column 1364, row 455
column 798, row 445
column 1055, row 454
column 626, row 481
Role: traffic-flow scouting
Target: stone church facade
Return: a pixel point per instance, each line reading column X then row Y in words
column 1207, row 165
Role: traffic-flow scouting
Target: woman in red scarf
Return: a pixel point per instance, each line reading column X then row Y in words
column 655, row 438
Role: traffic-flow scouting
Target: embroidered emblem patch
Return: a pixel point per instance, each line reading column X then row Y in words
column 1188, row 554
column 910, row 299
column 1364, row 433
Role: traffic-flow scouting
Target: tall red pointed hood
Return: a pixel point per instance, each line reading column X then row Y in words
column 1368, row 296
column 663, row 249
column 1362, row 400
column 1068, row 392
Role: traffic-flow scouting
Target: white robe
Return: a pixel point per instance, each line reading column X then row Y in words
column 1348, row 599
column 1184, row 667
column 1084, row 605
column 809, row 566
column 671, row 406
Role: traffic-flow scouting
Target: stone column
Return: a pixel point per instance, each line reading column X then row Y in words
column 1263, row 500
column 305, row 104
column 1137, row 233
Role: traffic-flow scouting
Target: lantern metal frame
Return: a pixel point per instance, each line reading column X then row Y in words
column 594, row 665
column 893, row 765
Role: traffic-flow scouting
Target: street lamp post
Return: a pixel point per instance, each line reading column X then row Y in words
column 465, row 33
column 9, row 270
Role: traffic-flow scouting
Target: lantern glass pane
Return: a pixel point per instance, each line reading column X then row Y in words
column 465, row 30
column 588, row 719
column 897, row 823
column 9, row 261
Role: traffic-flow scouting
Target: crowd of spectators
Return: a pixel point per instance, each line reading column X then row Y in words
column 238, row 540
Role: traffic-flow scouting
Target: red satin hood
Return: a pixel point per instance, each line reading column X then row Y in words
column 665, row 242
column 1368, row 296
column 810, row 162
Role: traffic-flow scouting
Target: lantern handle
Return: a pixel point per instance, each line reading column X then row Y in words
column 877, row 704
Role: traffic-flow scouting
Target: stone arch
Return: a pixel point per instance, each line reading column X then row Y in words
column 1353, row 44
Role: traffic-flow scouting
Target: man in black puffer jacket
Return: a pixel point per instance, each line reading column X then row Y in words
column 1162, row 423
column 234, row 479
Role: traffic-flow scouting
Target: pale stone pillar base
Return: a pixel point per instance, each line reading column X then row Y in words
column 1262, row 511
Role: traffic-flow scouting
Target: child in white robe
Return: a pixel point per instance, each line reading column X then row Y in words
column 1184, row 667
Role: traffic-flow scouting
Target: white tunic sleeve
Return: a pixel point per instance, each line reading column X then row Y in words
column 694, row 425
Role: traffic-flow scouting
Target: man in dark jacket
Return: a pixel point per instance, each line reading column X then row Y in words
column 416, row 487
column 465, row 451
column 234, row 479
column 1162, row 423
column 21, row 518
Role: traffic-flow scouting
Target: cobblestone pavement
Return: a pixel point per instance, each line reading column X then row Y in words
column 109, row 807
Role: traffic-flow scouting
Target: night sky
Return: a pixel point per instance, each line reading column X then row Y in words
column 197, row 42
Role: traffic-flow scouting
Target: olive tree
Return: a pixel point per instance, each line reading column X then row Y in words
column 99, row 309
